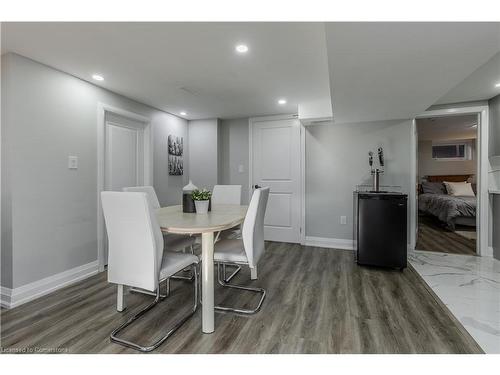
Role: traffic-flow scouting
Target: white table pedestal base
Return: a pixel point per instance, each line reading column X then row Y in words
column 223, row 216
column 207, row 281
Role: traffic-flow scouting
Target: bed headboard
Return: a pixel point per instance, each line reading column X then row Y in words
column 449, row 178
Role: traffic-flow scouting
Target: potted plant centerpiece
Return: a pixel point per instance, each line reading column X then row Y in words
column 201, row 200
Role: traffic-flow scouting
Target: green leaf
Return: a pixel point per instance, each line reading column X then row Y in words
column 201, row 195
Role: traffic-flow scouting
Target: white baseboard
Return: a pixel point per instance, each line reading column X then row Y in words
column 5, row 297
column 335, row 243
column 489, row 252
column 11, row 298
column 332, row 243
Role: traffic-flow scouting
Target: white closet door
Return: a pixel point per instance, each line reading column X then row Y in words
column 124, row 157
column 276, row 163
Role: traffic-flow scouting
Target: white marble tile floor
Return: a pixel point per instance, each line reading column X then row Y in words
column 470, row 287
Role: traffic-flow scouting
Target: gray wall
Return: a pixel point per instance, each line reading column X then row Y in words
column 233, row 153
column 203, row 152
column 427, row 166
column 49, row 213
column 168, row 188
column 337, row 161
column 494, row 149
column 494, row 135
column 6, row 209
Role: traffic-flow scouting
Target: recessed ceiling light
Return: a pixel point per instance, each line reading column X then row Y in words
column 497, row 84
column 451, row 110
column 183, row 113
column 98, row 77
column 241, row 48
column 282, row 101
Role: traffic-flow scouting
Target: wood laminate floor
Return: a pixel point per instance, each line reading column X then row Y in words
column 432, row 236
column 318, row 301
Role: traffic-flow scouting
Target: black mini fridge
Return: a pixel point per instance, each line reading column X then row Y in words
column 380, row 230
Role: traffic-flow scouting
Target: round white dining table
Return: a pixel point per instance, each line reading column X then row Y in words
column 221, row 217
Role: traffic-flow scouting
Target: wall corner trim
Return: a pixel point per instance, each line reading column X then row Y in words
column 11, row 298
column 332, row 243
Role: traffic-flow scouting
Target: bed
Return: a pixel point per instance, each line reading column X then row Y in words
column 451, row 210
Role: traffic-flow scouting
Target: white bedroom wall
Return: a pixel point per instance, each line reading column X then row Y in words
column 49, row 213
column 427, row 166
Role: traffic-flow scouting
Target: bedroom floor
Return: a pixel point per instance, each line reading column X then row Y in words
column 432, row 236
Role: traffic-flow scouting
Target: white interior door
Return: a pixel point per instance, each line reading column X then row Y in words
column 276, row 163
column 123, row 165
column 124, row 157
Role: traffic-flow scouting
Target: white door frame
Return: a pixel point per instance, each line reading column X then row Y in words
column 101, row 144
column 483, row 204
column 251, row 122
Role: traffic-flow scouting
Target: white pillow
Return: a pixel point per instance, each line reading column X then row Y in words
column 459, row 189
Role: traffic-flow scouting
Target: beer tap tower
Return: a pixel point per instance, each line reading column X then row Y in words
column 376, row 172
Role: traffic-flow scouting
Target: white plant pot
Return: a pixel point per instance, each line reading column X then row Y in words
column 201, row 206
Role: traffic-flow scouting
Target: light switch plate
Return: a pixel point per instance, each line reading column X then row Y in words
column 241, row 168
column 72, row 162
column 343, row 220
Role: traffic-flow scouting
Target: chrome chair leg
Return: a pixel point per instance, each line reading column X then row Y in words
column 188, row 278
column 187, row 269
column 235, row 272
column 224, row 278
column 158, row 298
column 239, row 287
column 144, row 291
column 167, row 285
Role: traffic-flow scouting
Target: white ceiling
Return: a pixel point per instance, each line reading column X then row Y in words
column 381, row 71
column 187, row 66
column 447, row 128
column 373, row 71
column 480, row 85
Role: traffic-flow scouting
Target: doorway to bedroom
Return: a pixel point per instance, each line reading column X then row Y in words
column 447, row 170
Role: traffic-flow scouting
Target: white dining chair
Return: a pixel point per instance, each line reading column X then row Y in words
column 150, row 193
column 173, row 242
column 228, row 194
column 137, row 258
column 245, row 251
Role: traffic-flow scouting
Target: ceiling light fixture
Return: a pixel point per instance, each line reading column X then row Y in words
column 497, row 84
column 98, row 77
column 241, row 48
column 183, row 113
column 282, row 101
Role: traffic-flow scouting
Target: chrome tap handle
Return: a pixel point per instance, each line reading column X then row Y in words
column 381, row 156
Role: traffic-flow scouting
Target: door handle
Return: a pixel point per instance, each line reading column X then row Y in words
column 257, row 187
